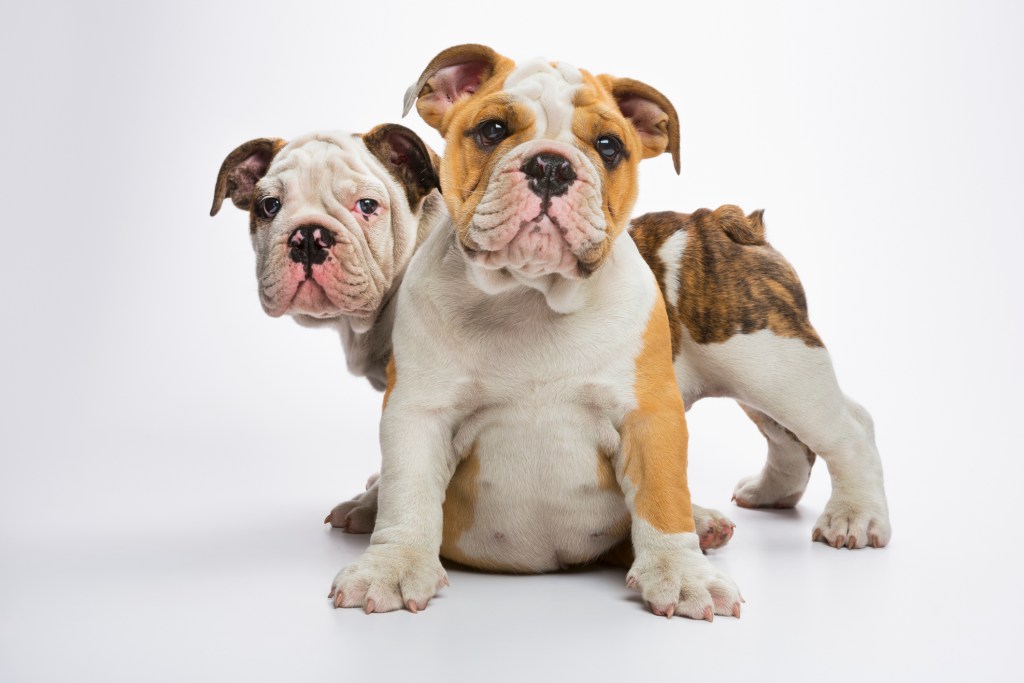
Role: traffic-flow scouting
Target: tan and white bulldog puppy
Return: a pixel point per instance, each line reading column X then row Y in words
column 740, row 328
column 334, row 218
column 532, row 419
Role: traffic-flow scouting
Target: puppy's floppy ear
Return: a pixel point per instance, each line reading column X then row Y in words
column 651, row 114
column 405, row 156
column 242, row 169
column 453, row 74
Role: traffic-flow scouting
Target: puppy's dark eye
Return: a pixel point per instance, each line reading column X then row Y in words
column 269, row 206
column 491, row 132
column 610, row 149
column 367, row 206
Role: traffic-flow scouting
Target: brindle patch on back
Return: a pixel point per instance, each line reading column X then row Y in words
column 731, row 280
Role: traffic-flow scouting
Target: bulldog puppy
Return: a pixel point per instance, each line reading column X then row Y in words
column 532, row 419
column 334, row 218
column 740, row 329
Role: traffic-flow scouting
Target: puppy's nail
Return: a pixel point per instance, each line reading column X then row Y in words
column 709, row 614
column 339, row 599
column 670, row 611
column 411, row 606
column 631, row 582
column 816, row 535
column 327, row 518
column 851, row 542
column 736, row 610
column 370, row 607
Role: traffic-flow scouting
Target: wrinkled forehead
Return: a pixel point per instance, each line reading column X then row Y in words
column 325, row 160
column 556, row 93
column 549, row 90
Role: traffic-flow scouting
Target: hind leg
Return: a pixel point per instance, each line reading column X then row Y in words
column 810, row 404
column 782, row 482
column 795, row 385
column 857, row 513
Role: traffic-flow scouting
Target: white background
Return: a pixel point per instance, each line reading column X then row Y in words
column 168, row 452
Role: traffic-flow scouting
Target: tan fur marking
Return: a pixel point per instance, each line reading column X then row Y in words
column 654, row 435
column 620, row 555
column 606, row 474
column 731, row 280
column 392, row 378
column 459, row 508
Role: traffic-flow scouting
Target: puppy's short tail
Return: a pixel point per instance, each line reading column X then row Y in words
column 741, row 229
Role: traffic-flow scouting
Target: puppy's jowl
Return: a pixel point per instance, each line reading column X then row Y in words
column 531, row 392
column 334, row 219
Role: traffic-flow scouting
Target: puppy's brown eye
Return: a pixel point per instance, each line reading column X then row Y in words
column 610, row 149
column 491, row 132
column 367, row 206
column 269, row 206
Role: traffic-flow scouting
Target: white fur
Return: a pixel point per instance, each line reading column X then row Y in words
column 795, row 385
column 671, row 256
column 675, row 578
column 549, row 91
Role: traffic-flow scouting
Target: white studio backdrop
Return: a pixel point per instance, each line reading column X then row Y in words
column 167, row 452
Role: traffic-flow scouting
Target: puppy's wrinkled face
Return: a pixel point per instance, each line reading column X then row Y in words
column 331, row 220
column 540, row 166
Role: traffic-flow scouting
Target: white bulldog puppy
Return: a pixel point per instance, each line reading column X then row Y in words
column 532, row 416
column 334, row 218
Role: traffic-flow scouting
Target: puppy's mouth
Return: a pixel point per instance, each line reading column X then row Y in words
column 541, row 214
column 329, row 279
column 311, row 299
column 539, row 246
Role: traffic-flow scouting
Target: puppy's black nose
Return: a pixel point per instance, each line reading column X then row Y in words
column 309, row 245
column 550, row 174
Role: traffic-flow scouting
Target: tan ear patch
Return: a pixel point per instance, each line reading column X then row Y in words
column 654, row 436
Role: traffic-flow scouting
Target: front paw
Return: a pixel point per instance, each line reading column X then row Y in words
column 356, row 516
column 388, row 577
column 853, row 524
column 680, row 580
